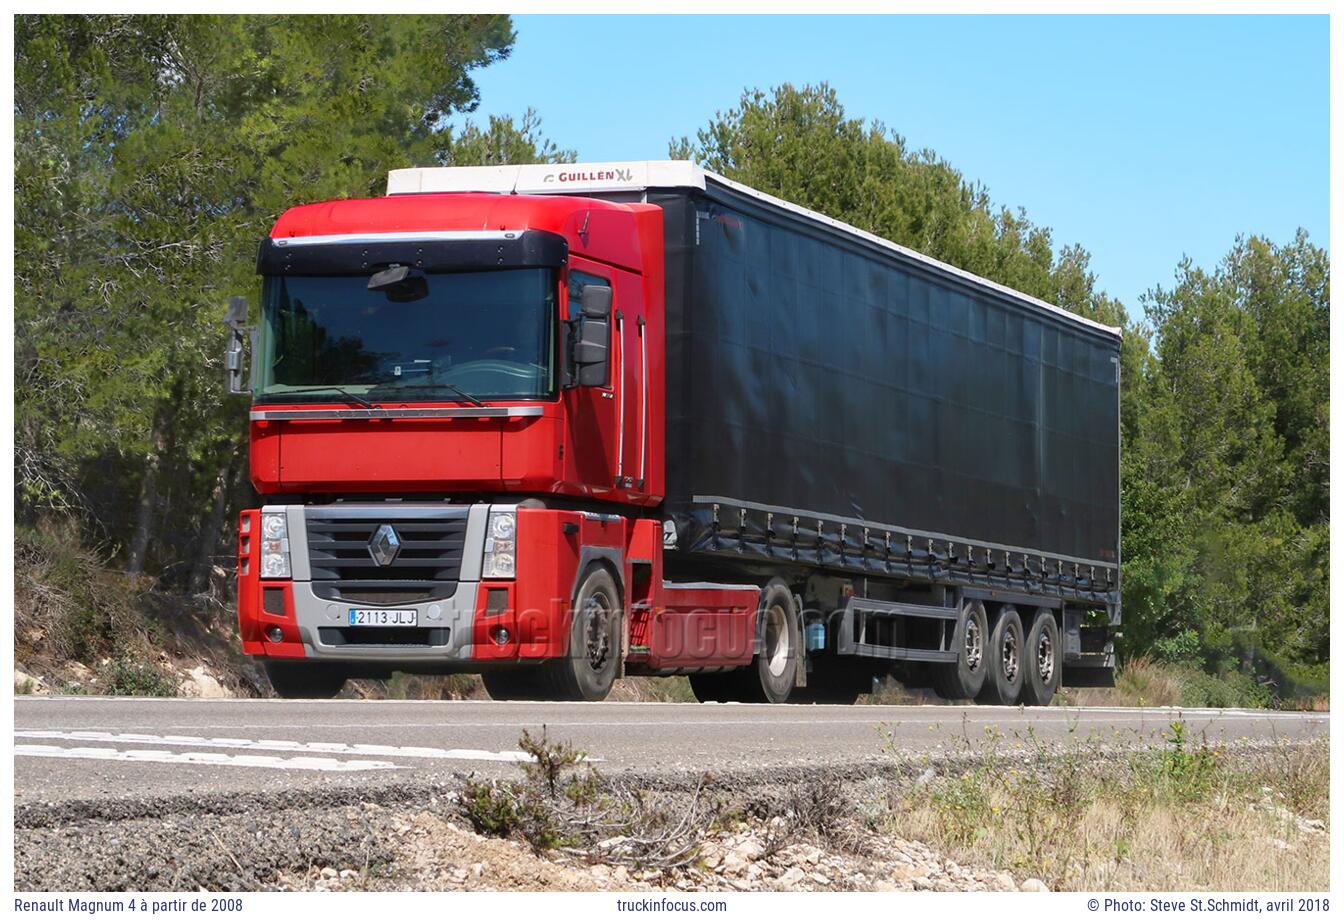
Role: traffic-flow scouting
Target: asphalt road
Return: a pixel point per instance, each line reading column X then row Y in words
column 71, row 749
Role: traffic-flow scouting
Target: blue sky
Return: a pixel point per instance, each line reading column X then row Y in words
column 1143, row 138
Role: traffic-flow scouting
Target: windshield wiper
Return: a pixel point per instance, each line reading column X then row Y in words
column 330, row 388
column 463, row 393
column 475, row 401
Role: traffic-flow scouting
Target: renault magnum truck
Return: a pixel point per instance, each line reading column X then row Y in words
column 560, row 424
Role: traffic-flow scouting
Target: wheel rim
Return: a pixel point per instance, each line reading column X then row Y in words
column 975, row 644
column 597, row 635
column 1010, row 654
column 1045, row 658
column 776, row 641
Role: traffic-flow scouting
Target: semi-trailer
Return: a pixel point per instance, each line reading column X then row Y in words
column 558, row 424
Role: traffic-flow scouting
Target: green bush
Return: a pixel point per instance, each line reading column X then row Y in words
column 122, row 677
column 1231, row 689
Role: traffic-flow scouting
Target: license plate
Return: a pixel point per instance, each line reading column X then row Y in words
column 366, row 617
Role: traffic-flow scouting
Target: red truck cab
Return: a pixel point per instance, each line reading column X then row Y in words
column 456, row 424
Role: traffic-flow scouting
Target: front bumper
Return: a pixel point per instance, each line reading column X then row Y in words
column 291, row 618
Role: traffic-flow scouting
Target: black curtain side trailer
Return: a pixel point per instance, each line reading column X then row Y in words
column 840, row 407
column 895, row 439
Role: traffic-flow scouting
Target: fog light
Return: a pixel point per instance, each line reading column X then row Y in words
column 500, row 635
column 274, row 633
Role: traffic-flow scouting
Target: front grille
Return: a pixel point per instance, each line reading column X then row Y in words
column 426, row 566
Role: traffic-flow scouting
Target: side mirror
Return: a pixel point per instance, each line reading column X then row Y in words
column 237, row 314
column 596, row 302
column 591, row 348
column 239, row 334
column 590, row 338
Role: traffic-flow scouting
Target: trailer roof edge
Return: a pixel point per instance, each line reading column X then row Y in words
column 641, row 175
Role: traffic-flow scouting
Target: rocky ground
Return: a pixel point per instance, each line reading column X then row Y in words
column 433, row 853
column 373, row 847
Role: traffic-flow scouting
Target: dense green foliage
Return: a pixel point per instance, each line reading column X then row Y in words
column 1225, row 471
column 151, row 153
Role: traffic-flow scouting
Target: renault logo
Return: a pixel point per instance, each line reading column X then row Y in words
column 384, row 544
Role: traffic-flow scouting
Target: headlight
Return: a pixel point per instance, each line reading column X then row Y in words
column 499, row 546
column 274, row 546
column 273, row 527
column 502, row 525
column 274, row 565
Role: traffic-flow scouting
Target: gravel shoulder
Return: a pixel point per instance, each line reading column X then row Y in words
column 899, row 824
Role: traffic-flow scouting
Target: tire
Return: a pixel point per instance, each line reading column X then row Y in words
column 305, row 680
column 1041, row 660
column 722, row 687
column 1003, row 678
column 965, row 679
column 588, row 670
column 773, row 671
column 514, row 684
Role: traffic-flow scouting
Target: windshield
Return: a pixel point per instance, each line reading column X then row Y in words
column 487, row 334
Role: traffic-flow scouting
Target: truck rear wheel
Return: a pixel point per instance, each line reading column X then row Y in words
column 1003, row 682
column 964, row 679
column 589, row 670
column 305, row 680
column 772, row 673
column 1041, row 664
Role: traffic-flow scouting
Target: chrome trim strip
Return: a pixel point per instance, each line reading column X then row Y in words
column 409, row 236
column 286, row 415
column 620, row 405
column 643, row 402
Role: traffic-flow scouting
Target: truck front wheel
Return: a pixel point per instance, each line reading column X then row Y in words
column 305, row 680
column 589, row 670
column 964, row 679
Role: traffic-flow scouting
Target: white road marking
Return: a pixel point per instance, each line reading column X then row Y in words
column 952, row 720
column 317, row 747
column 204, row 758
column 764, row 714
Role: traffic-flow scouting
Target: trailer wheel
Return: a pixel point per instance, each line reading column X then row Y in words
column 1003, row 682
column 589, row 670
column 305, row 680
column 771, row 677
column 966, row 678
column 1041, row 660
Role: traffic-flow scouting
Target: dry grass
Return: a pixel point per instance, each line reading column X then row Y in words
column 1141, row 682
column 1184, row 817
column 1319, row 703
